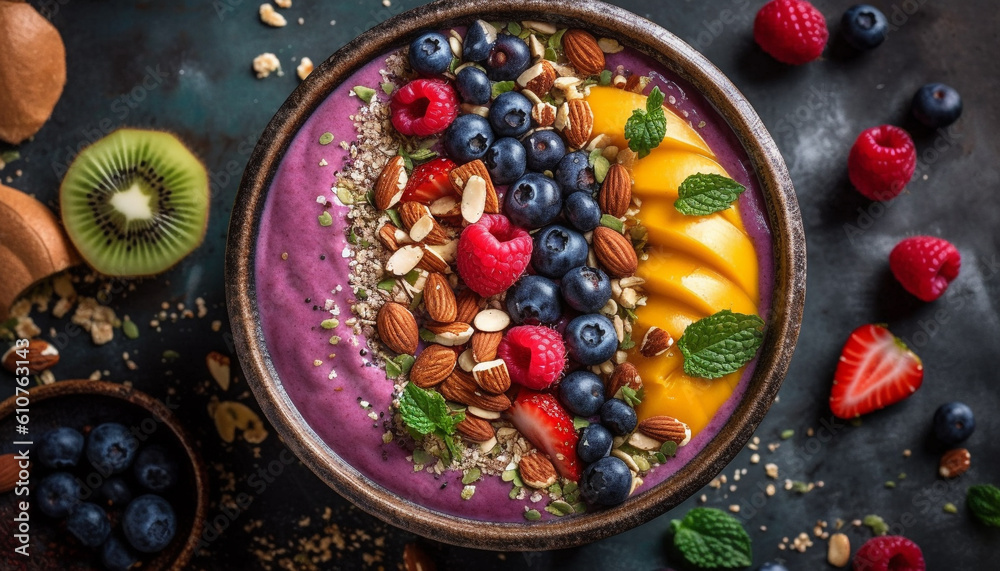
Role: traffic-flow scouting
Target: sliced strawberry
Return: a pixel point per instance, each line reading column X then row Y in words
column 429, row 181
column 876, row 370
column 544, row 422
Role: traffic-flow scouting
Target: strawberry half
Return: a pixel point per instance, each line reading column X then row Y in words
column 876, row 370
column 429, row 181
column 544, row 422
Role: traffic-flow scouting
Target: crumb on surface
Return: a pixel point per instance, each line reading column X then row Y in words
column 265, row 64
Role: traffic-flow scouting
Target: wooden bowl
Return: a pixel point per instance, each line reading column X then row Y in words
column 80, row 404
column 783, row 319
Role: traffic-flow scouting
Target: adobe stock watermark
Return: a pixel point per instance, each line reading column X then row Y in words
column 711, row 29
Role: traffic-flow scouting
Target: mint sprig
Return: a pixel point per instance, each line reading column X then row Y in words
column 708, row 538
column 425, row 412
column 720, row 344
column 984, row 503
column 645, row 129
column 702, row 194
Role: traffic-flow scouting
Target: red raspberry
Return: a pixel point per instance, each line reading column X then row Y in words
column 535, row 355
column 492, row 254
column 424, row 107
column 881, row 162
column 792, row 31
column 889, row 552
column 925, row 265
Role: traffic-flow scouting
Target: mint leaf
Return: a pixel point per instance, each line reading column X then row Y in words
column 720, row 344
column 426, row 413
column 703, row 194
column 984, row 503
column 645, row 129
column 708, row 538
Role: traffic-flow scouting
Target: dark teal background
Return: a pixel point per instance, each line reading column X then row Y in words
column 184, row 66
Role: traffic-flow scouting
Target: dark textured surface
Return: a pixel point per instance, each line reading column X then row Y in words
column 184, row 66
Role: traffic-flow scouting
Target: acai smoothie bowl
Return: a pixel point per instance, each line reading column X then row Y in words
column 516, row 275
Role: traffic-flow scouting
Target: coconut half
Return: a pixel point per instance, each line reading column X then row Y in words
column 32, row 70
column 33, row 245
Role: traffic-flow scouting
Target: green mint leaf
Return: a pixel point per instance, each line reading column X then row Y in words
column 502, row 87
column 708, row 538
column 612, row 222
column 703, row 194
column 407, row 161
column 984, row 503
column 605, row 78
column 422, row 410
column 555, row 41
column 645, row 129
column 550, row 54
column 405, row 362
column 627, row 342
column 364, row 93
column 720, row 344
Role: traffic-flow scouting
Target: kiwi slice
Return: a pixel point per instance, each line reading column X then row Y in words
column 135, row 202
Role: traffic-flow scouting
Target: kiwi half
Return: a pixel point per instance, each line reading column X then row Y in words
column 135, row 202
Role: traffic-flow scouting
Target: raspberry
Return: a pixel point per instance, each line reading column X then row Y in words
column 925, row 265
column 791, row 31
column 492, row 254
column 881, row 162
column 424, row 107
column 535, row 355
column 889, row 552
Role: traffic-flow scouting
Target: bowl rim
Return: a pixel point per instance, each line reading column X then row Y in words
column 161, row 412
column 785, row 316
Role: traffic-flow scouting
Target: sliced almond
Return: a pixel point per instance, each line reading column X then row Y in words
column 230, row 416
column 403, row 260
column 387, row 236
column 451, row 334
column 643, row 442
column 445, row 206
column 544, row 114
column 538, row 78
column 492, row 376
column 422, row 228
column 467, row 360
column 474, row 199
column 432, row 261
column 655, row 342
column 219, row 367
column 483, row 413
column 491, row 320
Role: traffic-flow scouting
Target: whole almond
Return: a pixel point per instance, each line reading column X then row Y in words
column 537, row 471
column 655, row 342
column 954, row 463
column 665, row 428
column 615, row 252
column 475, row 429
column 492, row 376
column 583, row 51
column 469, row 303
column 390, row 184
column 616, row 191
column 432, row 366
column 398, row 328
column 461, row 387
column 624, row 375
column 439, row 299
column 485, row 344
column 38, row 356
column 9, row 470
column 538, row 78
column 581, row 123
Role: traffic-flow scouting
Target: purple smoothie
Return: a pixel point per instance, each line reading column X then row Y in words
column 316, row 270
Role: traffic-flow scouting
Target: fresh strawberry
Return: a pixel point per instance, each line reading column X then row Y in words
column 429, row 181
column 544, row 422
column 876, row 370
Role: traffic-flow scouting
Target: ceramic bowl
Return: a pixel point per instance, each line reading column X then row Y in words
column 80, row 404
column 783, row 319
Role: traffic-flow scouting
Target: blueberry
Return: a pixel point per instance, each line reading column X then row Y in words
column 534, row 300
column 953, row 423
column 510, row 114
column 60, row 448
column 479, row 40
column 591, row 339
column 558, row 250
column 606, row 482
column 505, row 161
column 544, row 148
column 533, row 201
column 582, row 393
column 430, row 54
column 574, row 174
column 586, row 289
column 111, row 448
column 582, row 211
column 508, row 58
column 116, row 556
column 149, row 523
column 772, row 566
column 468, row 138
column 618, row 417
column 89, row 524
column 58, row 493
column 473, row 86
column 115, row 492
column 937, row 105
column 864, row 26
column 595, row 443
column 155, row 469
